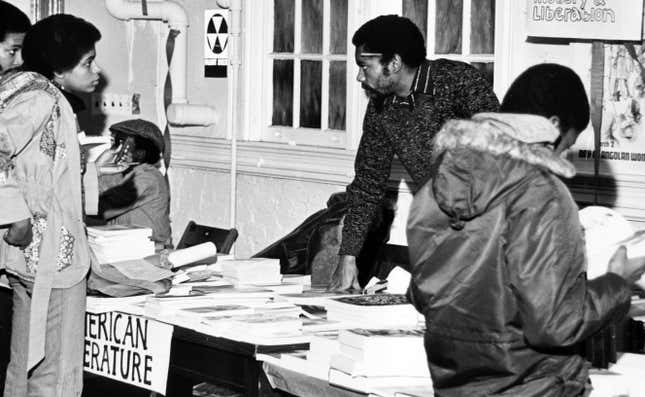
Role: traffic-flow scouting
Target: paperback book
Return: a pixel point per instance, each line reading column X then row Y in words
column 374, row 311
column 605, row 230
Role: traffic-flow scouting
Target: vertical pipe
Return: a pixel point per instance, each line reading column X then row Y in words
column 235, row 7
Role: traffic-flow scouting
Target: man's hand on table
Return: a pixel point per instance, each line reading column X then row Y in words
column 345, row 276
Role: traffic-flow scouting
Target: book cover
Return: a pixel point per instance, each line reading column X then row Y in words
column 375, row 300
column 214, row 311
column 382, row 339
column 605, row 230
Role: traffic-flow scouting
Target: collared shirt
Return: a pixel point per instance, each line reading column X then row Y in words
column 420, row 85
column 442, row 90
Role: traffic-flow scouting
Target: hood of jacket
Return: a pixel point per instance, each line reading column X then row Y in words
column 477, row 162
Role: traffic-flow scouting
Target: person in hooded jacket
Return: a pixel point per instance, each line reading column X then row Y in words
column 498, row 253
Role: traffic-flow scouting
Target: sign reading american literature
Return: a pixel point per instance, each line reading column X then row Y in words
column 586, row 19
column 128, row 348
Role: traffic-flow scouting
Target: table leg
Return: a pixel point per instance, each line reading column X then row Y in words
column 179, row 386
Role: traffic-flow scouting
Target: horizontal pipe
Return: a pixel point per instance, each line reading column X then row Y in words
column 167, row 11
column 186, row 114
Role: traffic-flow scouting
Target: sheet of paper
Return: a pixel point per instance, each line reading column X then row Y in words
column 192, row 254
column 398, row 280
column 141, row 269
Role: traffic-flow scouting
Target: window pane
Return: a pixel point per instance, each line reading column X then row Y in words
column 282, row 92
column 312, row 15
column 284, row 15
column 448, row 27
column 482, row 16
column 417, row 11
column 487, row 69
column 338, row 29
column 310, row 87
column 337, row 94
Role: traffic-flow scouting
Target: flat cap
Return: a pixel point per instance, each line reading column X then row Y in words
column 140, row 128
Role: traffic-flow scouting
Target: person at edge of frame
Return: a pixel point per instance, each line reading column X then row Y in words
column 498, row 252
column 14, row 24
column 40, row 163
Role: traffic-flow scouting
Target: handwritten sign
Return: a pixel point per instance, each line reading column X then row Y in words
column 586, row 19
column 128, row 348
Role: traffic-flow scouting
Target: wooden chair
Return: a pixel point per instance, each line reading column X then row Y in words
column 197, row 234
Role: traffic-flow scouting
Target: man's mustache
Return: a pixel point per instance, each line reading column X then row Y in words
column 370, row 92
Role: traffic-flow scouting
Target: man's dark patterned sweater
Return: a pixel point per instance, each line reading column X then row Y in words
column 442, row 90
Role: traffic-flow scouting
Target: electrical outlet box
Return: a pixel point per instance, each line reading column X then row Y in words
column 116, row 104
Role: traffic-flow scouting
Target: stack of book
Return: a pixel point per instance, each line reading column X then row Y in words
column 381, row 353
column 370, row 359
column 322, row 346
column 115, row 243
column 304, row 279
column 373, row 311
column 257, row 271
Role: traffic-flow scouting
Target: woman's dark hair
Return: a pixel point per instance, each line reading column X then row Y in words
column 12, row 20
column 549, row 90
column 57, row 44
column 392, row 34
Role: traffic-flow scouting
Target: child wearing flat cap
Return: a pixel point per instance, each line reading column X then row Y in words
column 137, row 194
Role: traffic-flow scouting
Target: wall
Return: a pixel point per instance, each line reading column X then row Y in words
column 132, row 58
column 131, row 55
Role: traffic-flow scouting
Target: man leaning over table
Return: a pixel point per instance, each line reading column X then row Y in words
column 410, row 99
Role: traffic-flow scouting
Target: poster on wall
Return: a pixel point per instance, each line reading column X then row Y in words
column 128, row 348
column 216, row 35
column 622, row 130
column 586, row 19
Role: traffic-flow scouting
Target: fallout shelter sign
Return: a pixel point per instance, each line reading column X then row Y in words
column 216, row 36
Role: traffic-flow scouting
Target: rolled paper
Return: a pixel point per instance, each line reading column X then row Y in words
column 192, row 254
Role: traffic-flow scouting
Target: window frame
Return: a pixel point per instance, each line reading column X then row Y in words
column 256, row 98
column 259, row 75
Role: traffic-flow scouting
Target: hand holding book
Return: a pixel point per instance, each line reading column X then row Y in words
column 631, row 269
column 612, row 245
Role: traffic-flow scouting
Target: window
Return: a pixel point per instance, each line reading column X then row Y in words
column 308, row 70
column 463, row 30
column 299, row 61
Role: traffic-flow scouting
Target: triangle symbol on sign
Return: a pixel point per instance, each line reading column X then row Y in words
column 217, row 48
column 211, row 37
column 211, row 27
column 217, row 20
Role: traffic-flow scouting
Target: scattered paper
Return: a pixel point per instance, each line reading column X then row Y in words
column 398, row 280
column 142, row 269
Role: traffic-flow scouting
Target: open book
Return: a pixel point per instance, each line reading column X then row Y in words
column 605, row 230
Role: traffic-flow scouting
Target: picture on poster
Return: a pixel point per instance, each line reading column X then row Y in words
column 622, row 129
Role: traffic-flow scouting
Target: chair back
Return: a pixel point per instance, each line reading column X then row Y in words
column 197, row 234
